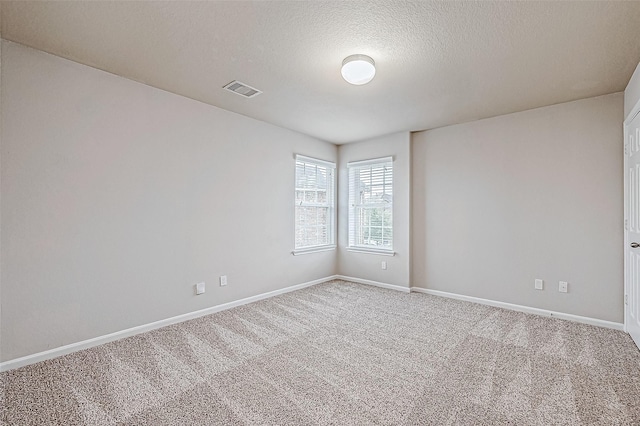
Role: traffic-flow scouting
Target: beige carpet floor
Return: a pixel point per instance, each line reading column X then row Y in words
column 341, row 353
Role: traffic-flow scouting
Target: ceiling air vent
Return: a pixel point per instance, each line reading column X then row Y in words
column 242, row 89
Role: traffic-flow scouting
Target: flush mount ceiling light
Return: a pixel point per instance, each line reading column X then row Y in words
column 358, row 69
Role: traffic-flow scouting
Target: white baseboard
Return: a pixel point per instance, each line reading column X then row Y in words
column 100, row 340
column 521, row 308
column 374, row 283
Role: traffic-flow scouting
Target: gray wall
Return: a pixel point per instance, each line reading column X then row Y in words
column 632, row 92
column 366, row 265
column 500, row 202
column 117, row 198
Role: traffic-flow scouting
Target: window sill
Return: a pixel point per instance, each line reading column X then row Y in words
column 317, row 249
column 371, row 251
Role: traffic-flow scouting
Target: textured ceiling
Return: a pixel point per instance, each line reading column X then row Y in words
column 438, row 63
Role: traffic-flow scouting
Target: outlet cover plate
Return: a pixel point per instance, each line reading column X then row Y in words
column 539, row 284
column 563, row 287
column 200, row 288
column 223, row 280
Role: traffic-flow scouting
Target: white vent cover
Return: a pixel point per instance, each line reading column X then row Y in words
column 242, row 89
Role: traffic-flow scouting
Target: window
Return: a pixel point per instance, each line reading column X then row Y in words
column 371, row 205
column 314, row 205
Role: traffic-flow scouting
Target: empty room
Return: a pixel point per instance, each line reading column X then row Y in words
column 319, row 213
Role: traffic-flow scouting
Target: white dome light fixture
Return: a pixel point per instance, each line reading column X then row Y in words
column 358, row 69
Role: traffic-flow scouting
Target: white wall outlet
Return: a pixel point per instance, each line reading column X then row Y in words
column 383, row 265
column 563, row 286
column 539, row 284
column 200, row 288
column 223, row 280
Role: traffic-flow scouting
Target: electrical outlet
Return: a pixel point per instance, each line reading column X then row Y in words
column 223, row 280
column 200, row 288
column 383, row 265
column 563, row 287
column 539, row 284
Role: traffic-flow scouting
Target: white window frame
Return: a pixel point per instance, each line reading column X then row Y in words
column 353, row 169
column 330, row 205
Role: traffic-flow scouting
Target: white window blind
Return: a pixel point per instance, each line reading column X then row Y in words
column 314, row 203
column 371, row 204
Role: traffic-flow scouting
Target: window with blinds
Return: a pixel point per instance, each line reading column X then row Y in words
column 314, row 204
column 371, row 204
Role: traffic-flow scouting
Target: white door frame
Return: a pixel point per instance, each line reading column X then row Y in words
column 632, row 114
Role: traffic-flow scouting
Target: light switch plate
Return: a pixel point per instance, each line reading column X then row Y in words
column 200, row 288
column 223, row 280
column 539, row 284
